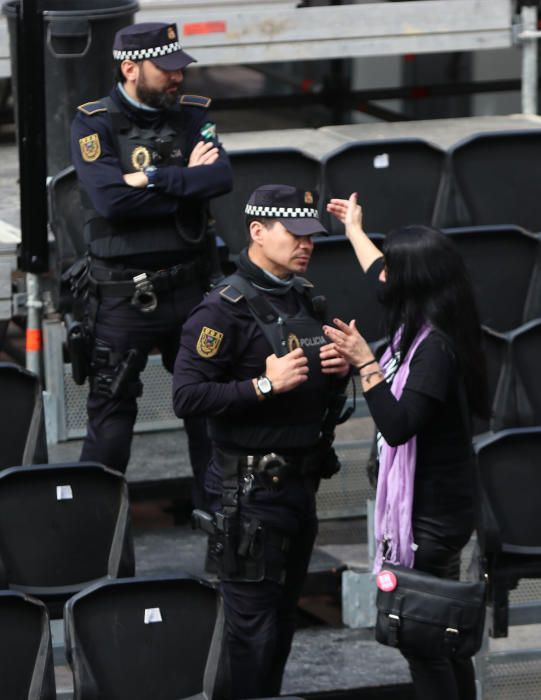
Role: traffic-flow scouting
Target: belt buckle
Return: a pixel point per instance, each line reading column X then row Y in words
column 144, row 297
column 271, row 465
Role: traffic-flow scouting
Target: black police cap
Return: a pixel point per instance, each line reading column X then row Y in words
column 296, row 209
column 155, row 41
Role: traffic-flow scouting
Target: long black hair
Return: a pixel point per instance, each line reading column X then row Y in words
column 427, row 281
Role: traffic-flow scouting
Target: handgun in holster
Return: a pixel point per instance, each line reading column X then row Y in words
column 78, row 341
column 224, row 535
column 238, row 547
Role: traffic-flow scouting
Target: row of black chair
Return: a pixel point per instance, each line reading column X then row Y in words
column 65, row 540
column 509, row 527
column 504, row 263
column 145, row 638
column 487, row 179
column 161, row 638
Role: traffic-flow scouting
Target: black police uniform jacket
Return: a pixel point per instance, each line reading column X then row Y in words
column 110, row 138
column 223, row 349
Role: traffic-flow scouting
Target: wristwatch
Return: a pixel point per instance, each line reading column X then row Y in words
column 264, row 385
column 151, row 172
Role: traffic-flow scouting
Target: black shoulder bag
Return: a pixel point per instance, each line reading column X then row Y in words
column 428, row 616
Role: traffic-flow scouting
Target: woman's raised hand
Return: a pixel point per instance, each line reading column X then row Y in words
column 349, row 342
column 349, row 212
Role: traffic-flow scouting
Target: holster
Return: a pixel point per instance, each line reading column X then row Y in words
column 237, row 546
column 115, row 375
column 78, row 340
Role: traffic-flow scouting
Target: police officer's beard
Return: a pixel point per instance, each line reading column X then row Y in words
column 155, row 98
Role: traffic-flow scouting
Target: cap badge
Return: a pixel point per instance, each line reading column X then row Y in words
column 209, row 342
column 308, row 198
column 140, row 157
column 90, row 148
column 171, row 34
column 293, row 342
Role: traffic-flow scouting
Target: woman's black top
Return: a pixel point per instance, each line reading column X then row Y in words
column 430, row 408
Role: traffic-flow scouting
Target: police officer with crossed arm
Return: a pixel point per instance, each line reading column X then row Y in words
column 254, row 360
column 147, row 160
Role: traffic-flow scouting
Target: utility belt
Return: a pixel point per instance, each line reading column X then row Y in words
column 142, row 286
column 271, row 469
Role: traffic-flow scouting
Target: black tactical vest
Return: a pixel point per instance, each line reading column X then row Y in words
column 137, row 148
column 288, row 421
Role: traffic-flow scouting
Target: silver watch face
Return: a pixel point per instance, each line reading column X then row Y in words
column 264, row 384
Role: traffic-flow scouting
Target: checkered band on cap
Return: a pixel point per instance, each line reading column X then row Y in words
column 280, row 212
column 142, row 54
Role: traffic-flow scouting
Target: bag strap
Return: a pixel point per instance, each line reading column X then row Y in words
column 452, row 631
column 393, row 637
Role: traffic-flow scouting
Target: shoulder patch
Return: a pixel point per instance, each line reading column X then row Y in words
column 230, row 294
column 91, row 108
column 90, row 148
column 209, row 342
column 195, row 101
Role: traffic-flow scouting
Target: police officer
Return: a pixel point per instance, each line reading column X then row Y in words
column 253, row 358
column 147, row 160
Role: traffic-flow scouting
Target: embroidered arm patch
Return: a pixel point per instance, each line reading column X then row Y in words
column 90, row 148
column 209, row 342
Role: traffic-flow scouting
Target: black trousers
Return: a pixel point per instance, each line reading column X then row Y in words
column 438, row 553
column 121, row 327
column 260, row 616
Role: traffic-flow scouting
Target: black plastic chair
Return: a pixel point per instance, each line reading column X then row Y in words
column 22, row 428
column 66, row 217
column 502, row 264
column 496, row 176
column 337, row 275
column 398, row 181
column 251, row 169
column 509, row 529
column 26, row 658
column 513, row 361
column 62, row 526
column 144, row 638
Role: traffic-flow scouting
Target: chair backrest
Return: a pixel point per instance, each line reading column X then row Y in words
column 514, row 377
column 500, row 261
column 143, row 638
column 398, row 181
column 511, row 480
column 22, row 433
column 503, row 409
column 526, row 354
column 251, row 169
column 26, row 659
column 66, row 217
column 337, row 275
column 62, row 526
column 496, row 175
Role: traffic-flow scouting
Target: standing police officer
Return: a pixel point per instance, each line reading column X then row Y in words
column 254, row 360
column 147, row 161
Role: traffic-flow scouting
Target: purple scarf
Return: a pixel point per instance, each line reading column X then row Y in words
column 394, row 495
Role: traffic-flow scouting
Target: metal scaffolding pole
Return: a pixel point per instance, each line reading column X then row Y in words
column 529, row 36
column 32, row 160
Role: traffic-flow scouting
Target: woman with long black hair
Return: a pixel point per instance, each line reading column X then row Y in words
column 420, row 394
